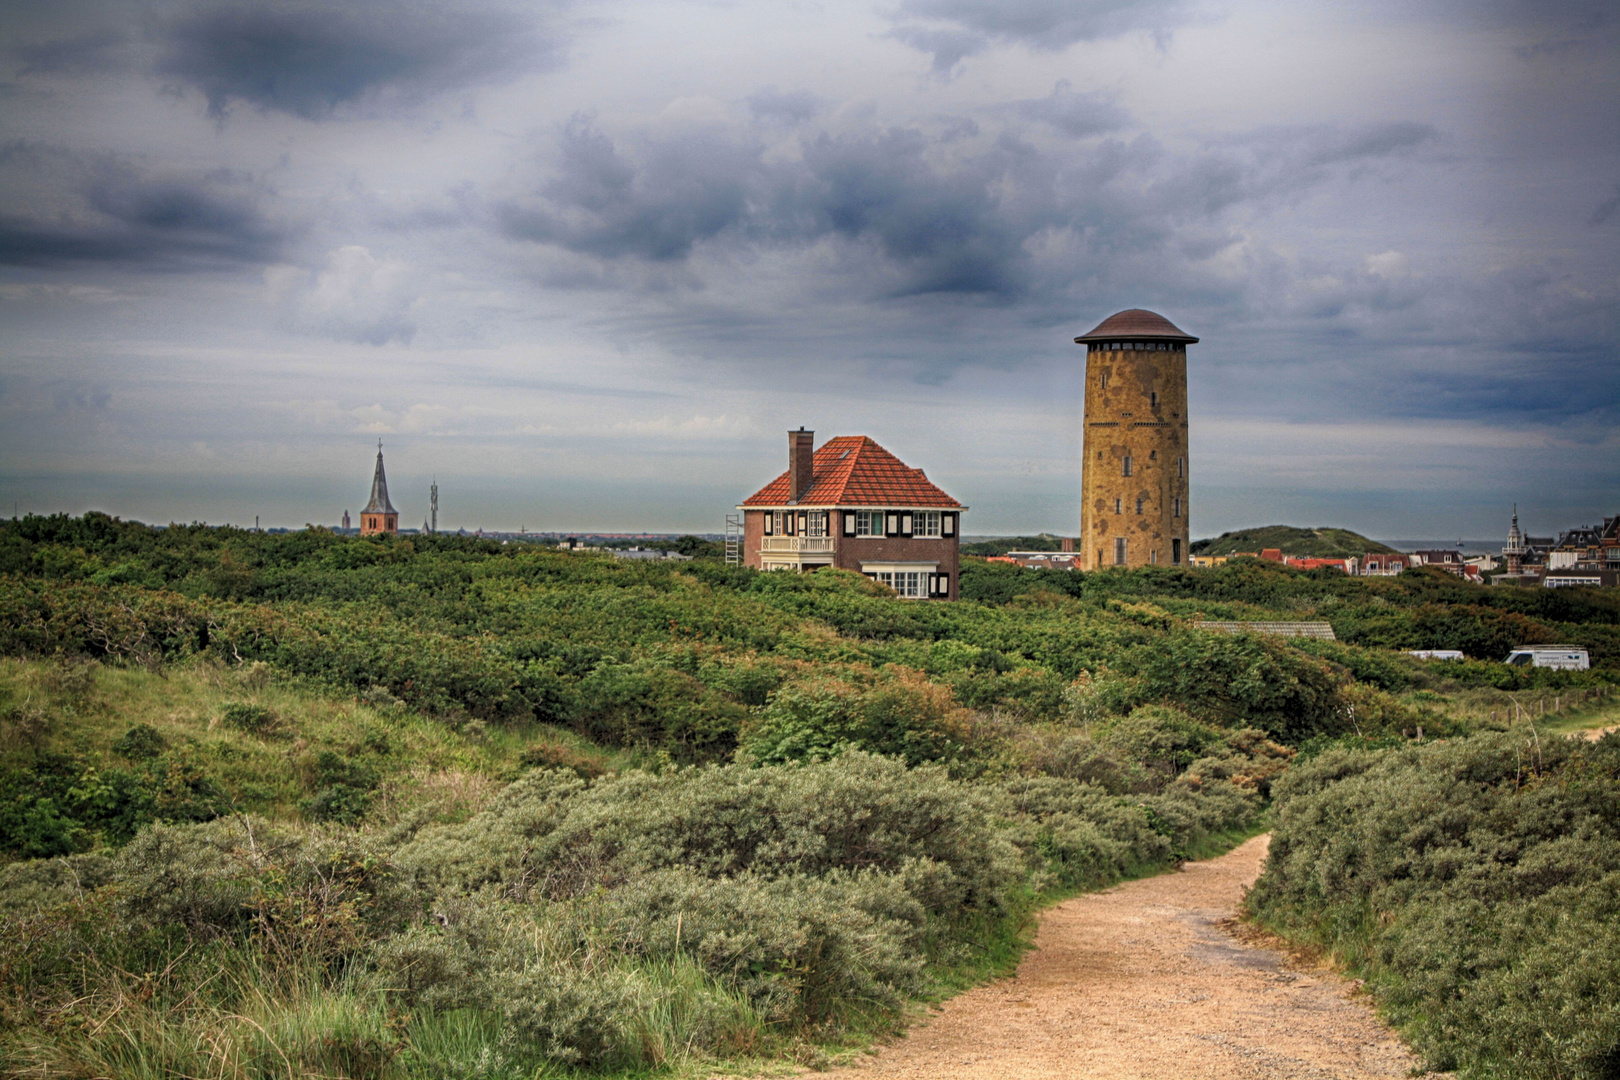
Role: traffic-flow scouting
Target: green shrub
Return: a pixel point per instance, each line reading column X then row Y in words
column 343, row 788
column 900, row 714
column 1476, row 882
column 142, row 742
column 251, row 718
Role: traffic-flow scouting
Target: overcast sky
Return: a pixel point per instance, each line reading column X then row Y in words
column 587, row 262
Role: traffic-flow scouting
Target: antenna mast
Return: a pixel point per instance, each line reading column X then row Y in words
column 433, row 504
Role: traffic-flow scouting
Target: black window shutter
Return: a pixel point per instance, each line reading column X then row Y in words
column 767, row 515
column 944, row 584
column 801, row 523
column 948, row 524
column 905, row 525
column 849, row 522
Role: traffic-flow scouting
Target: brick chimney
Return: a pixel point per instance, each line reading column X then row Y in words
column 801, row 462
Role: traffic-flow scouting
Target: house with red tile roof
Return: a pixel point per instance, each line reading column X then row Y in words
column 852, row 504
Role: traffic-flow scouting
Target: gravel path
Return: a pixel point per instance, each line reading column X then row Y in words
column 1145, row 981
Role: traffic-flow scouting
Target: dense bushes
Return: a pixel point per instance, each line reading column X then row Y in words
column 629, row 921
column 1476, row 883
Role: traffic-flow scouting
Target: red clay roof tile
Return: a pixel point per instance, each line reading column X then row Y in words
column 852, row 470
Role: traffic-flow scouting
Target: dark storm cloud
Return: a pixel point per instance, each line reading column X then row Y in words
column 955, row 29
column 600, row 203
column 310, row 59
column 67, row 208
column 915, row 212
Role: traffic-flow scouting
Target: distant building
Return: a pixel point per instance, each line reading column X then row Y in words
column 1385, row 563
column 345, row 521
column 1040, row 560
column 379, row 515
column 853, row 505
column 1588, row 555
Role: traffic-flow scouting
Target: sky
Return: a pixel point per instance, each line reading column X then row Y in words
column 586, row 263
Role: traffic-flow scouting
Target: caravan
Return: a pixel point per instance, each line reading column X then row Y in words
column 1567, row 657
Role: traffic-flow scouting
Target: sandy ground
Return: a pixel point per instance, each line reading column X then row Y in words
column 1594, row 734
column 1146, row 981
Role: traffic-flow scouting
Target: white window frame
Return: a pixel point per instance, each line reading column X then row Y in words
column 815, row 523
column 869, row 523
column 929, row 525
column 911, row 581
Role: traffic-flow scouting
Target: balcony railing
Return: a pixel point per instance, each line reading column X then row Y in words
column 804, row 545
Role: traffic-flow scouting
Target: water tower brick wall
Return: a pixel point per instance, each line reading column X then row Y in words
column 1136, row 409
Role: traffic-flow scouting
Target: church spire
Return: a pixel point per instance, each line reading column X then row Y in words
column 379, row 503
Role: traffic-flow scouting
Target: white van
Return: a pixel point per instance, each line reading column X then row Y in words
column 1568, row 657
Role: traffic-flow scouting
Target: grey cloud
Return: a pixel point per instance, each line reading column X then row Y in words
column 1606, row 209
column 955, row 29
column 919, row 214
column 92, row 50
column 949, row 47
column 683, row 191
column 67, row 398
column 790, row 107
column 1074, row 114
column 310, row 59
column 99, row 208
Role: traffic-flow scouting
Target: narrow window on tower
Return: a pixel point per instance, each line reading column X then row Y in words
column 1175, row 551
column 1181, row 466
column 1153, row 400
column 1105, row 380
column 1119, row 551
column 1138, row 506
column 1118, row 504
column 1175, row 511
column 1153, row 556
column 1127, row 466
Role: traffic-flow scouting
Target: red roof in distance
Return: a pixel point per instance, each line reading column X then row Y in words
column 1136, row 323
column 852, row 470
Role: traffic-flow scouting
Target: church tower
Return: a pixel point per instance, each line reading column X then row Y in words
column 1514, row 552
column 379, row 516
column 1134, row 476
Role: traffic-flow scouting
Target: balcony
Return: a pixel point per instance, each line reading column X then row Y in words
column 797, row 545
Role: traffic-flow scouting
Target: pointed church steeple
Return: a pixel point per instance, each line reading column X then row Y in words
column 379, row 515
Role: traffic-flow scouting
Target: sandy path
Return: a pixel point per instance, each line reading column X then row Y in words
column 1142, row 982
